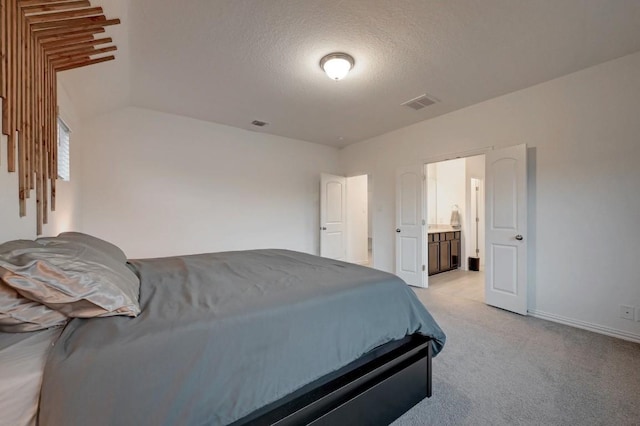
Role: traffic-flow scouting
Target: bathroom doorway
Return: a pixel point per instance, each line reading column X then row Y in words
column 455, row 225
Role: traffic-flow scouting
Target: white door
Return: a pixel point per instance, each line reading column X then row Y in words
column 333, row 211
column 506, row 229
column 410, row 252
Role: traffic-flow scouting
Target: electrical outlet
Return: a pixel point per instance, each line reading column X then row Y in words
column 627, row 312
column 638, row 314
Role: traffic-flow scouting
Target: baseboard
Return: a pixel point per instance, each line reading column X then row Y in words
column 625, row 335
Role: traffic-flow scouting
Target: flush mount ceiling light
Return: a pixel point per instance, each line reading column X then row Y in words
column 337, row 65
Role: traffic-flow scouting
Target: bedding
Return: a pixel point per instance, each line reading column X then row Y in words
column 22, row 359
column 221, row 335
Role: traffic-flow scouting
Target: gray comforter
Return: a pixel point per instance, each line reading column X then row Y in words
column 221, row 335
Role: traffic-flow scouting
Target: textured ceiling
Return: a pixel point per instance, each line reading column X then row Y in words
column 235, row 61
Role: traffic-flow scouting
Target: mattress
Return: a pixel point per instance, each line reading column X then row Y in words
column 22, row 361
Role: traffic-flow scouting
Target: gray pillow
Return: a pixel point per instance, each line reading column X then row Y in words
column 102, row 245
column 18, row 314
column 71, row 276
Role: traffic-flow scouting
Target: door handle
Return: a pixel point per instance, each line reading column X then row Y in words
column 397, row 229
column 519, row 237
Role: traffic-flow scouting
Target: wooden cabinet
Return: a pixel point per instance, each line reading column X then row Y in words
column 445, row 255
column 444, row 251
column 434, row 258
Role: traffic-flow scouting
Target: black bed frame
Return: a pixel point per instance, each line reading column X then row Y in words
column 373, row 390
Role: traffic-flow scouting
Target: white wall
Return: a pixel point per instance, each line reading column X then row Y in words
column 357, row 219
column 583, row 133
column 12, row 226
column 445, row 188
column 450, row 189
column 158, row 184
column 432, row 193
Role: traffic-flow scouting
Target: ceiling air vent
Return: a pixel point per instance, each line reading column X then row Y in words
column 259, row 123
column 419, row 102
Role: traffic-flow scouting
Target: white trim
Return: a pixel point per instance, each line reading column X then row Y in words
column 64, row 121
column 64, row 116
column 625, row 335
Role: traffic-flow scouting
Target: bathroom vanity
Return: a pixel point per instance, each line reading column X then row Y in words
column 444, row 248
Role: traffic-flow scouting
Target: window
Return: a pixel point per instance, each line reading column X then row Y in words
column 63, row 150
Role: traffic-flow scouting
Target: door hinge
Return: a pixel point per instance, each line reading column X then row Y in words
column 423, row 268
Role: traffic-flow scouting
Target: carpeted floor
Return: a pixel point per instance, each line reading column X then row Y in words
column 499, row 368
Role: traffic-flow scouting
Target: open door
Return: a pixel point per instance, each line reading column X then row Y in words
column 506, row 229
column 333, row 210
column 410, row 252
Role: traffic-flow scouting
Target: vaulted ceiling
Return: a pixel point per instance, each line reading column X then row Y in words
column 235, row 61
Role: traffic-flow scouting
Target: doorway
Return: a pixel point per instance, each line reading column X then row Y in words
column 455, row 191
column 345, row 220
column 455, row 225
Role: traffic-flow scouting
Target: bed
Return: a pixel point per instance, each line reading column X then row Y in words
column 249, row 337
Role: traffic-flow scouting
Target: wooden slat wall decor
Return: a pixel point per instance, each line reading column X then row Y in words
column 38, row 39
